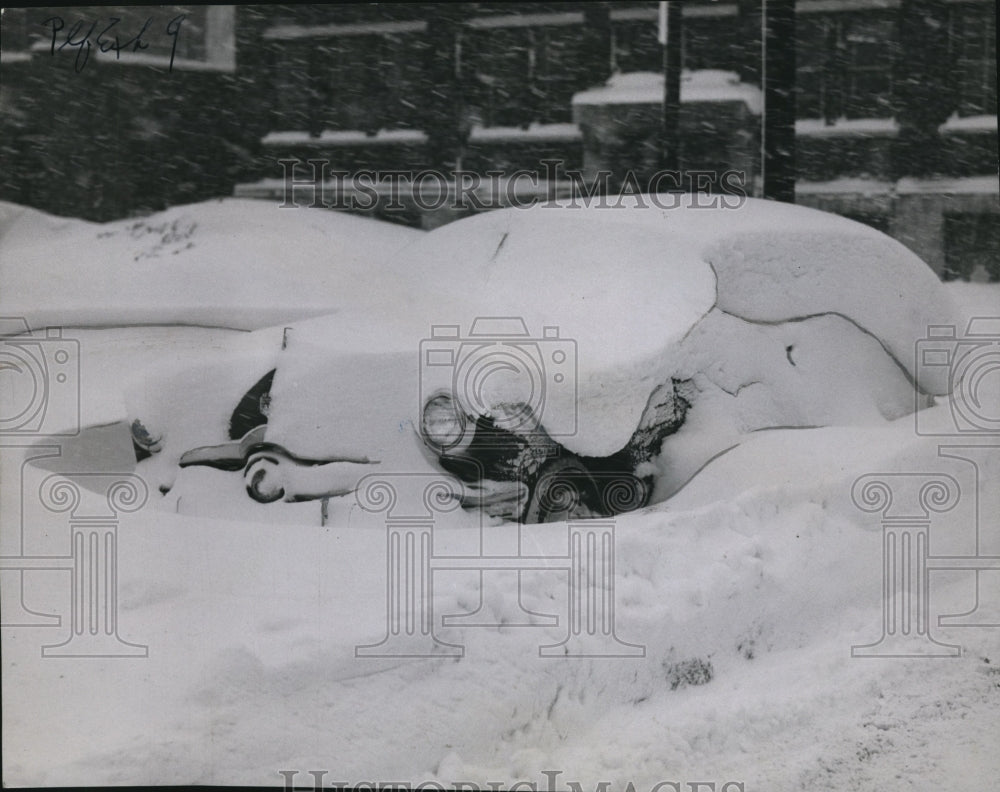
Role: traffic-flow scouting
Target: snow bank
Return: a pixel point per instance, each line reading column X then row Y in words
column 770, row 315
column 828, row 264
column 225, row 263
column 745, row 377
column 746, row 591
column 642, row 278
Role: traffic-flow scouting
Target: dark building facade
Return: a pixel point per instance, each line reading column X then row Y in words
column 895, row 101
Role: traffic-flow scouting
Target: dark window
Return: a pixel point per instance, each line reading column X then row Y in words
column 706, row 43
column 496, row 68
column 560, row 69
column 291, row 86
column 516, row 75
column 636, row 47
column 971, row 241
column 868, row 90
column 359, row 82
column 711, row 43
column 844, row 65
column 817, row 42
column 974, row 51
column 14, row 30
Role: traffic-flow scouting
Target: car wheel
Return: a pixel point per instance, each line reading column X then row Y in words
column 264, row 476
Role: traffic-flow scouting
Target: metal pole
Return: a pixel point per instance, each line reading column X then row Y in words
column 670, row 38
column 778, row 122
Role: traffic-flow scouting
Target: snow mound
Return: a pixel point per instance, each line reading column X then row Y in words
column 747, row 593
column 236, row 263
column 765, row 316
column 820, row 314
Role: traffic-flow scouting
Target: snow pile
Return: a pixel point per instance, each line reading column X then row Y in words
column 601, row 295
column 745, row 591
column 231, row 263
column 761, row 327
column 642, row 279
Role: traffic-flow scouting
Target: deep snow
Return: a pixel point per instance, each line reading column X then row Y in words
column 747, row 589
column 778, row 315
column 222, row 263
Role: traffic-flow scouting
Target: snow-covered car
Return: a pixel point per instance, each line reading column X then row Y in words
column 561, row 360
column 227, row 262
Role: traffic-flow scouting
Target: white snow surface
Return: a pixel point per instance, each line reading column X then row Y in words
column 846, row 184
column 818, row 323
column 534, row 132
column 963, row 185
column 698, row 85
column 975, row 123
column 225, row 263
column 344, row 137
column 747, row 588
column 846, row 127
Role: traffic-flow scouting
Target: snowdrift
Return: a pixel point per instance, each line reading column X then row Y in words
column 746, row 592
column 746, row 589
column 766, row 316
column 645, row 294
column 225, row 263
